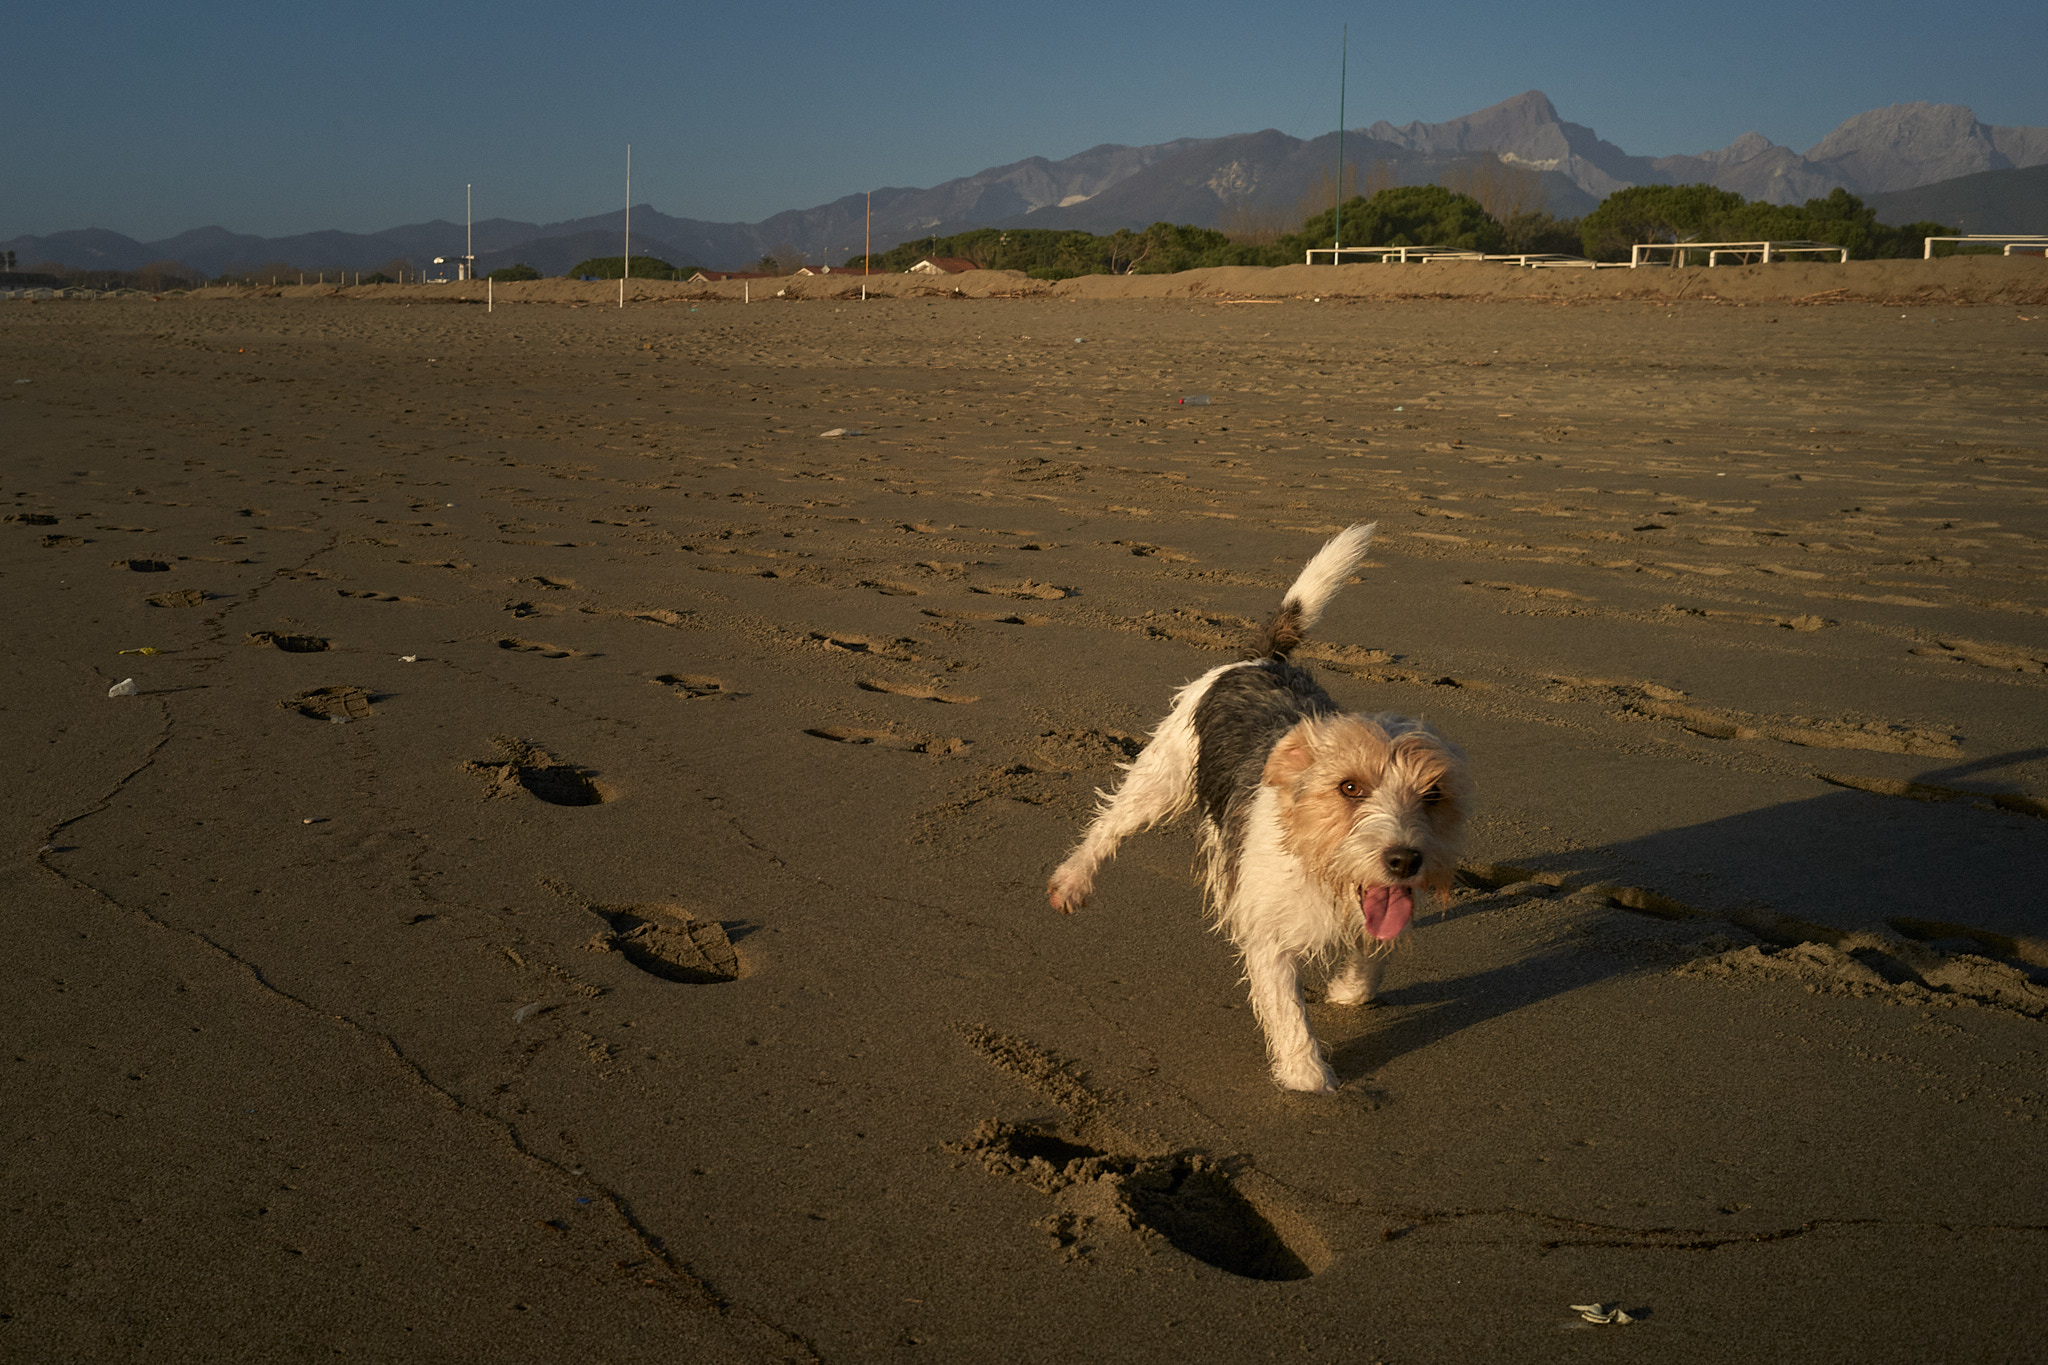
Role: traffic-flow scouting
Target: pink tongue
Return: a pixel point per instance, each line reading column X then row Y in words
column 1387, row 909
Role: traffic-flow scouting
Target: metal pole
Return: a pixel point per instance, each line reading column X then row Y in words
column 1343, row 63
column 867, row 249
column 626, row 266
column 468, row 236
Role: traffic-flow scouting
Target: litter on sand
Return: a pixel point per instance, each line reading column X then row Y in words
column 524, row 1012
column 1195, row 400
column 841, row 431
column 124, row 688
column 408, row 658
column 1602, row 1314
column 146, row 649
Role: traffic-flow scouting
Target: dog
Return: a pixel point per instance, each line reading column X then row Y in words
column 1318, row 826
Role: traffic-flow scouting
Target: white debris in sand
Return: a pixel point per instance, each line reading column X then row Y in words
column 1602, row 1315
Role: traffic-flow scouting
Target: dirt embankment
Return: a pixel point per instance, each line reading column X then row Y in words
column 2018, row 281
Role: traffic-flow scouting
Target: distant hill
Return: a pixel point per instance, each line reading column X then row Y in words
column 1201, row 181
column 1989, row 201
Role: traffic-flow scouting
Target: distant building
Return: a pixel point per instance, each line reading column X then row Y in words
column 714, row 276
column 942, row 265
column 829, row 270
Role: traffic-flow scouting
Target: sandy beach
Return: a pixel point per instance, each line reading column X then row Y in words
column 569, row 884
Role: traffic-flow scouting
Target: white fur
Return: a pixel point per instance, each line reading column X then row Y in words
column 1279, row 911
column 1157, row 787
column 1323, row 575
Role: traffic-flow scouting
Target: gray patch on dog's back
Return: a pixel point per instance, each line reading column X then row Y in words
column 1237, row 722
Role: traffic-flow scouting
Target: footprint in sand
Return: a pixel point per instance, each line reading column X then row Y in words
column 331, row 703
column 1000, row 618
column 2005, row 658
column 694, row 686
column 181, row 597
column 671, row 944
column 528, row 768
column 912, row 690
column 290, row 644
column 62, row 542
column 1144, row 550
column 889, row 589
column 889, row 739
column 897, row 649
column 366, row 595
column 546, row 651
column 142, row 565
column 1028, row 589
column 1189, row 1199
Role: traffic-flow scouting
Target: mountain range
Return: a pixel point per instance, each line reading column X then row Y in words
column 1904, row 153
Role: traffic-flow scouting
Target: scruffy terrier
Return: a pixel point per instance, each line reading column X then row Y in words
column 1318, row 827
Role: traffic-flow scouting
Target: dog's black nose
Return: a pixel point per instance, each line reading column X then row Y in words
column 1402, row 862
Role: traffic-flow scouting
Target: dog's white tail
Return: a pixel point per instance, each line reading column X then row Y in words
column 1320, row 579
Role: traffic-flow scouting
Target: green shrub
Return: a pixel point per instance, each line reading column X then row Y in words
column 507, row 274
column 1406, row 215
column 644, row 268
column 1702, row 213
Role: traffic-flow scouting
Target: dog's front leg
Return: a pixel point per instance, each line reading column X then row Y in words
column 1275, row 979
column 1358, row 980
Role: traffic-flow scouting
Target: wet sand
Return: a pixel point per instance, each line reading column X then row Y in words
column 570, row 883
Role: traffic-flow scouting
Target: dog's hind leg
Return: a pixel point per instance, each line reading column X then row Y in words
column 1275, row 979
column 1157, row 787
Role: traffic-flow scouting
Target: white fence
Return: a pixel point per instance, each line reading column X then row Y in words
column 2025, row 241
column 1643, row 253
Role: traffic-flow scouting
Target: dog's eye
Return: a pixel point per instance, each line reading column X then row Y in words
column 1353, row 789
column 1432, row 796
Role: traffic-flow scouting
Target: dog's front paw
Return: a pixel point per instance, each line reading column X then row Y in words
column 1313, row 1077
column 1069, row 889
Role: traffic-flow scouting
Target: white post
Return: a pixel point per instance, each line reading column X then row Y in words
column 490, row 295
column 626, row 263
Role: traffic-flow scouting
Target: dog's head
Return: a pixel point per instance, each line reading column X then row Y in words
column 1373, row 805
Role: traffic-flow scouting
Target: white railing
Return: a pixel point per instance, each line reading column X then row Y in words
column 1529, row 260
column 1641, row 252
column 2023, row 240
column 1394, row 253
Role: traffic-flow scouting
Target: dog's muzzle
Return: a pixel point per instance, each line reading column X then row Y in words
column 1387, row 909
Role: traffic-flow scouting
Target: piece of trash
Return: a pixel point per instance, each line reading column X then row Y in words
column 124, row 688
column 842, row 431
column 314, row 820
column 1195, row 400
column 146, row 649
column 583, row 1199
column 337, row 720
column 1398, row 407
column 525, row 1012
column 1602, row 1314
column 408, row 658
column 447, row 504
column 1080, row 340
column 24, row 381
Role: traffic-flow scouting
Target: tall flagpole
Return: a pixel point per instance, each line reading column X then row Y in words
column 1343, row 62
column 626, row 265
column 867, row 249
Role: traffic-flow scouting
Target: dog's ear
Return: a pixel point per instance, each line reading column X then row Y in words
column 1290, row 758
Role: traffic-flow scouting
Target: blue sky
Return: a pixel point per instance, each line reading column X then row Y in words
column 152, row 118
